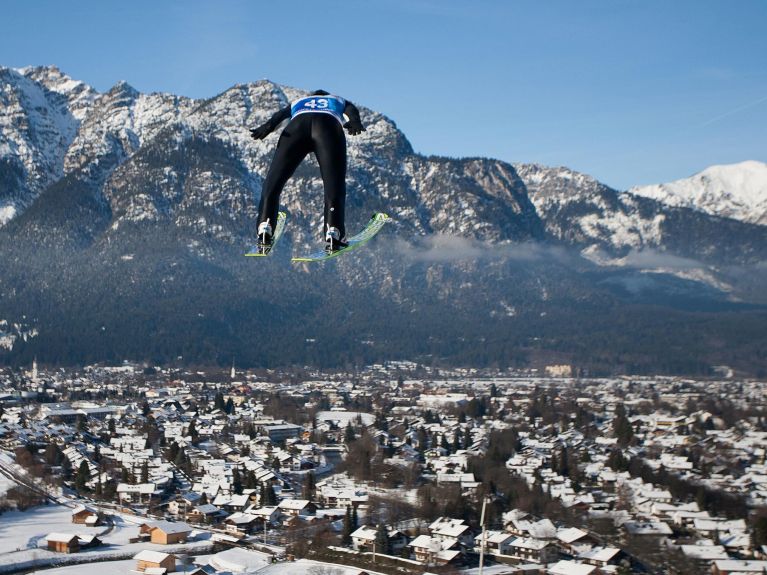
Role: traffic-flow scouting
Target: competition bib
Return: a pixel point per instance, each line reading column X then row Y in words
column 332, row 105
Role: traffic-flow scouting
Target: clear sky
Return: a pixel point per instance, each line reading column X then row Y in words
column 629, row 91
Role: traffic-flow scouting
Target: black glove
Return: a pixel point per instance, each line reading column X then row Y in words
column 261, row 132
column 354, row 127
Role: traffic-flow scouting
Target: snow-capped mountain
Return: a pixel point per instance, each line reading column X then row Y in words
column 40, row 113
column 578, row 209
column 107, row 141
column 737, row 191
column 607, row 224
column 124, row 216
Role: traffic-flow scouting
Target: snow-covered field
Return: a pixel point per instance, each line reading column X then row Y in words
column 300, row 567
column 22, row 542
column 101, row 568
column 22, row 538
column 307, row 567
column 26, row 529
column 5, row 459
column 5, row 485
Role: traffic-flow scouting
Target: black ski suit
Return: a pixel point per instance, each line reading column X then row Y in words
column 315, row 126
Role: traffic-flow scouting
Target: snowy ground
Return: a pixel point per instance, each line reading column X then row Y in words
column 300, row 567
column 307, row 567
column 102, row 568
column 5, row 483
column 22, row 538
column 25, row 529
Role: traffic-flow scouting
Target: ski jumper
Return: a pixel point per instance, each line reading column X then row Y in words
column 316, row 125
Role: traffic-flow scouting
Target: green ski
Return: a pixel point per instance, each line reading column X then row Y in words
column 371, row 229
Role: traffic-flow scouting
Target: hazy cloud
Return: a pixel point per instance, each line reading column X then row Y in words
column 445, row 248
column 648, row 259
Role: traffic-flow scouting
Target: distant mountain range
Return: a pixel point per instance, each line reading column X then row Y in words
column 737, row 191
column 124, row 216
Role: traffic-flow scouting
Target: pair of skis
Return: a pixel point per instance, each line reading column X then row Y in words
column 378, row 221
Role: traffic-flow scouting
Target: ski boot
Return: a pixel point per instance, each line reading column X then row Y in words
column 264, row 237
column 333, row 240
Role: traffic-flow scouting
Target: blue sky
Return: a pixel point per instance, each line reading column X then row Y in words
column 629, row 91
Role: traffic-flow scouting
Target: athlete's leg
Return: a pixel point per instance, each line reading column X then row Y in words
column 293, row 146
column 330, row 149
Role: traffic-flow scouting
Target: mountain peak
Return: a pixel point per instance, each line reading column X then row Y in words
column 737, row 191
column 122, row 88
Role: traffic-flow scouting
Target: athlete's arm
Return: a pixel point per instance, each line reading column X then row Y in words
column 354, row 125
column 270, row 125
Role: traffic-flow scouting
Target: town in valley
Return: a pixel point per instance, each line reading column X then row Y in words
column 395, row 468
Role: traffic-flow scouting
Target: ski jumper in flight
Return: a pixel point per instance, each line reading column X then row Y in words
column 316, row 125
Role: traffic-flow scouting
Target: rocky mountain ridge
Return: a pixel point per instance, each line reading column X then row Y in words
column 125, row 215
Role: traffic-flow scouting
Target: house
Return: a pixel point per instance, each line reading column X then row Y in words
column 183, row 504
column 296, row 507
column 63, row 542
column 165, row 532
column 496, row 542
column 280, row 432
column 236, row 503
column 141, row 493
column 364, row 538
column 522, row 527
column 446, row 528
column 430, row 550
column 529, row 549
column 242, row 523
column 206, row 514
column 573, row 536
column 601, row 556
column 86, row 515
column 148, row 560
column 269, row 514
column 334, row 496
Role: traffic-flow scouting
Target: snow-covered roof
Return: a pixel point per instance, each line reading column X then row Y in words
column 151, row 556
column 141, row 488
column 263, row 511
column 293, row 504
column 600, row 554
column 452, row 530
column 80, row 508
column 571, row 568
column 169, row 526
column 241, row 518
column 60, row 537
column 570, row 535
column 365, row 532
column 740, row 566
column 496, row 537
column 529, row 543
column 705, row 552
column 647, row 528
column 239, row 560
